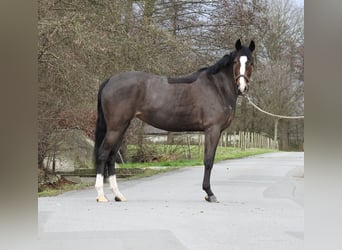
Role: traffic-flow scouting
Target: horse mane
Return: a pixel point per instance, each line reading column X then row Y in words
column 213, row 69
column 222, row 63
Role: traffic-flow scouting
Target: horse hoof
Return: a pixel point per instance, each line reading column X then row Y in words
column 211, row 198
column 102, row 198
column 122, row 199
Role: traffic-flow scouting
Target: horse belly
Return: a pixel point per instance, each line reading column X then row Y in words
column 172, row 119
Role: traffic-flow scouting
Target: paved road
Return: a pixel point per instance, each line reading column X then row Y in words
column 261, row 207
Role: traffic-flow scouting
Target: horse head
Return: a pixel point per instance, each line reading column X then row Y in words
column 243, row 65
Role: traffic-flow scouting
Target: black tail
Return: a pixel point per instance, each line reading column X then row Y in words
column 101, row 128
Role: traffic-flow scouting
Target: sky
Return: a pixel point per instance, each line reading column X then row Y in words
column 299, row 2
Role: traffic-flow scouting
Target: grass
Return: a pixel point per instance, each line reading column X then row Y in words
column 222, row 153
column 47, row 191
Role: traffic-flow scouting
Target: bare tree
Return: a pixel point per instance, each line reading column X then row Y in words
column 277, row 92
column 81, row 43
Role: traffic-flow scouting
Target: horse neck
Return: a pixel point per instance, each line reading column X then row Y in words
column 227, row 86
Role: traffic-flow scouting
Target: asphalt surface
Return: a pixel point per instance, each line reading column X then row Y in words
column 261, row 207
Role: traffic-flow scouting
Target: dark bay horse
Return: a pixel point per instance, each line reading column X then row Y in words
column 204, row 101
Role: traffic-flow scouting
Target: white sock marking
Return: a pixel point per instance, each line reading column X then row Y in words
column 243, row 60
column 99, row 185
column 114, row 186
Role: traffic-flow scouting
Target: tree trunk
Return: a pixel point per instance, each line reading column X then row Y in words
column 284, row 135
column 170, row 138
column 276, row 122
column 123, row 152
column 148, row 10
column 140, row 149
column 244, row 114
column 175, row 17
column 54, row 162
column 128, row 15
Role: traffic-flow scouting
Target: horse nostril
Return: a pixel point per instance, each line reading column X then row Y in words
column 244, row 89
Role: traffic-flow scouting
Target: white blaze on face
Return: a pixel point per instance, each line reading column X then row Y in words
column 242, row 80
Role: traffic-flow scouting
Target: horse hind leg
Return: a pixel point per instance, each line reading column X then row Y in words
column 111, row 138
column 99, row 188
column 111, row 172
column 100, row 169
column 114, row 186
column 118, row 196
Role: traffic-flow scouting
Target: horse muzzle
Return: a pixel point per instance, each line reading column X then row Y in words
column 242, row 83
column 243, row 89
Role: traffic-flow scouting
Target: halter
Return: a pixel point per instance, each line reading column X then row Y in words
column 236, row 79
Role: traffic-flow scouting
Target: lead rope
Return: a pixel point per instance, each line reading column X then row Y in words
column 268, row 113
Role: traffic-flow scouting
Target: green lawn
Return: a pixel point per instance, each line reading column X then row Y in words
column 191, row 156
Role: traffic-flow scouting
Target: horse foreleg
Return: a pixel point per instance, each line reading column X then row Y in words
column 212, row 137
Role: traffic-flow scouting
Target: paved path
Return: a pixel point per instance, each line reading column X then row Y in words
column 261, row 207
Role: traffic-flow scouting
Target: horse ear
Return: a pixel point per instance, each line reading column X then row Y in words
column 251, row 46
column 238, row 44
